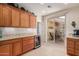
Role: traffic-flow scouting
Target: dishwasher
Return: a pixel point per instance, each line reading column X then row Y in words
column 37, row 41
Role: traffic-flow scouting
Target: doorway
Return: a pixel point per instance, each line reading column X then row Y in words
column 56, row 29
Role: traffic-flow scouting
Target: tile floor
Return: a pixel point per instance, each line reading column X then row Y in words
column 48, row 49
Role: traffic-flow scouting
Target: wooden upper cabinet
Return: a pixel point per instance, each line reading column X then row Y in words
column 24, row 21
column 1, row 17
column 15, row 17
column 6, row 15
column 32, row 21
column 6, row 50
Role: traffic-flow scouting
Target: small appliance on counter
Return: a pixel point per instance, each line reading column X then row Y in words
column 76, row 32
column 37, row 41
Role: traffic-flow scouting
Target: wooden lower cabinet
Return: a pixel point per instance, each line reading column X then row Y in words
column 70, row 51
column 77, row 47
column 27, row 48
column 28, row 44
column 73, row 46
column 6, row 50
column 17, row 46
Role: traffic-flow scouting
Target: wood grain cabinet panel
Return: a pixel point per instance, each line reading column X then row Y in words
column 7, row 15
column 15, row 17
column 32, row 21
column 73, row 46
column 28, row 40
column 1, row 16
column 71, row 51
column 17, row 48
column 77, row 52
column 28, row 44
column 6, row 50
column 70, row 43
column 24, row 21
column 70, row 46
column 77, row 44
column 77, row 47
column 27, row 47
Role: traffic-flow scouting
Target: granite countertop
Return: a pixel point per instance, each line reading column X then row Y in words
column 9, row 37
column 73, row 36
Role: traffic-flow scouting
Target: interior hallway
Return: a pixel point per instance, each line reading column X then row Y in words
column 49, row 49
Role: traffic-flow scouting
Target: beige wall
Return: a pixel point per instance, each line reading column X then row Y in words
column 73, row 15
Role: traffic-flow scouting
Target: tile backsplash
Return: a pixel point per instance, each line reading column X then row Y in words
column 13, row 31
column 0, row 33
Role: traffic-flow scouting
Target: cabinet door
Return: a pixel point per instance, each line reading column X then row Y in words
column 24, row 19
column 28, row 47
column 7, row 15
column 70, row 46
column 17, row 48
column 77, row 47
column 32, row 21
column 6, row 50
column 15, row 17
column 28, row 44
column 1, row 17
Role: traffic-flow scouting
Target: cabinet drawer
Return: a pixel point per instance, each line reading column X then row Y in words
column 10, row 41
column 28, row 40
column 28, row 45
column 25, row 42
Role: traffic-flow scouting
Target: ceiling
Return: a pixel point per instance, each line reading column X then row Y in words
column 42, row 8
